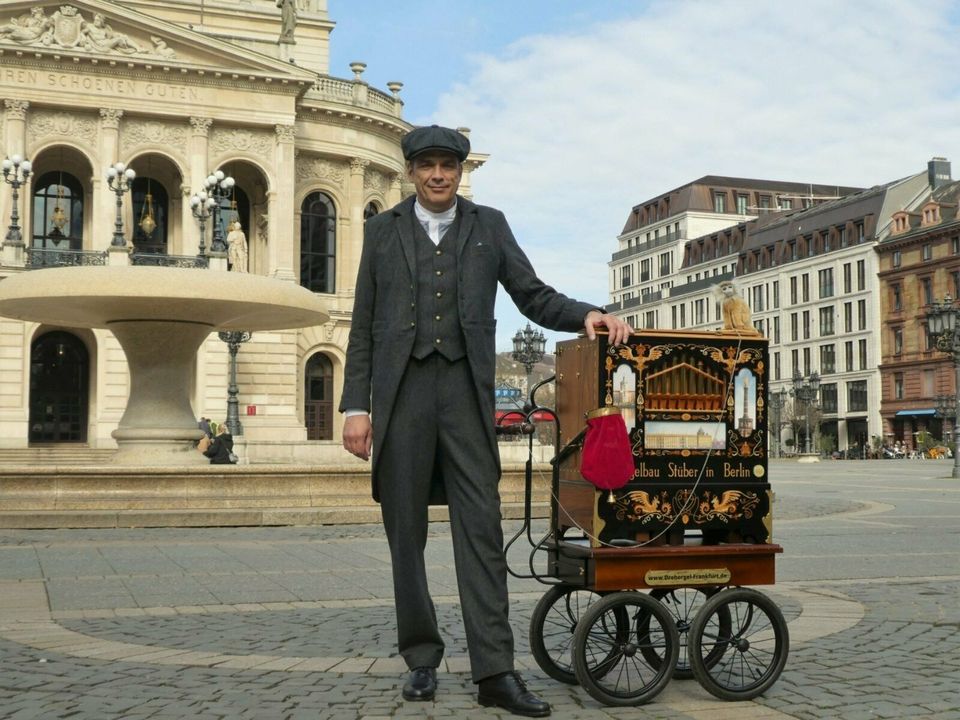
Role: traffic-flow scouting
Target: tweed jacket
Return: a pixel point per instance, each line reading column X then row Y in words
column 384, row 313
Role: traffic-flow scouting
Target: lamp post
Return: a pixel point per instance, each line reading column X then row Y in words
column 218, row 186
column 16, row 170
column 805, row 391
column 120, row 180
column 201, row 205
column 778, row 401
column 233, row 339
column 942, row 323
column 528, row 348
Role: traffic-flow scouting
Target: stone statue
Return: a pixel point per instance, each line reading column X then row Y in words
column 98, row 36
column 237, row 250
column 736, row 312
column 161, row 48
column 26, row 28
column 288, row 20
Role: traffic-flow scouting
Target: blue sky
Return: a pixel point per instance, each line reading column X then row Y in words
column 588, row 108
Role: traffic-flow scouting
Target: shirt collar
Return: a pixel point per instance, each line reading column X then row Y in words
column 424, row 215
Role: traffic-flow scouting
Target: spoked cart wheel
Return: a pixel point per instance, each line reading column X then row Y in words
column 683, row 604
column 611, row 644
column 738, row 644
column 554, row 620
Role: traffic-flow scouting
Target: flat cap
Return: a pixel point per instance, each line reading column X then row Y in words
column 434, row 137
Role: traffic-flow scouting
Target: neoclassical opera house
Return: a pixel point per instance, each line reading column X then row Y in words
column 229, row 99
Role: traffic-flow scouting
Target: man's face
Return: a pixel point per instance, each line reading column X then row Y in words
column 436, row 176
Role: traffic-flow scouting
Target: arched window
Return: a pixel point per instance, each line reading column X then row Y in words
column 370, row 210
column 236, row 207
column 318, row 243
column 150, row 211
column 59, row 380
column 58, row 212
column 318, row 398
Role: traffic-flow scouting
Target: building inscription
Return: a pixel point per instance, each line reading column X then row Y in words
column 684, row 470
column 104, row 85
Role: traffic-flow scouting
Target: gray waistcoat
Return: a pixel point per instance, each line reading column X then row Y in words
column 438, row 321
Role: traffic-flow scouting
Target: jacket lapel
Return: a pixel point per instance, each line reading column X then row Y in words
column 468, row 214
column 404, row 220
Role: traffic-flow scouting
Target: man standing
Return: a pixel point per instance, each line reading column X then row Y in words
column 423, row 343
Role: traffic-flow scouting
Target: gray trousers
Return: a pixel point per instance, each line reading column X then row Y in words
column 437, row 428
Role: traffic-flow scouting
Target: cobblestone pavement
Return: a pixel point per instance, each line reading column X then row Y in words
column 264, row 623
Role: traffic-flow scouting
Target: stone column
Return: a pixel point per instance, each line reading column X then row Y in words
column 351, row 244
column 15, row 143
column 281, row 210
column 395, row 194
column 197, row 152
column 106, row 203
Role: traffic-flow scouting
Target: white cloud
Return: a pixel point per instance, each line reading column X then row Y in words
column 581, row 127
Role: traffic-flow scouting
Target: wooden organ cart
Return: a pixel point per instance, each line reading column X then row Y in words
column 651, row 575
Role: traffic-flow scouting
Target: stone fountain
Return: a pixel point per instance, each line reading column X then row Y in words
column 160, row 317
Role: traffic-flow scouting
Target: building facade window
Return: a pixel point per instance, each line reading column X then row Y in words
column 806, row 361
column 828, row 359
column 776, row 329
column 149, row 198
column 57, row 212
column 826, row 282
column 862, row 314
column 861, row 275
column 847, row 278
column 848, row 355
column 926, row 290
column 897, row 299
column 848, row 317
column 741, row 204
column 805, row 283
column 758, row 298
column 776, row 294
column 828, row 397
column 666, row 264
column 776, row 366
column 929, row 380
column 857, row 396
column 794, row 327
column 826, row 321
column 897, row 258
column 898, row 386
column 625, row 273
column 862, row 346
column 806, row 325
column 793, row 290
column 897, row 341
column 795, row 361
column 719, row 202
column 318, row 243
column 927, row 251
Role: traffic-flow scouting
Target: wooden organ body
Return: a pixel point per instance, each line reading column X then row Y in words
column 695, row 407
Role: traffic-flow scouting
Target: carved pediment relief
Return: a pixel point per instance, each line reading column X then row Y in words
column 102, row 29
column 66, row 27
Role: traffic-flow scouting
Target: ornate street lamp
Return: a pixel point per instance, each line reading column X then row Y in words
column 233, row 339
column 201, row 205
column 120, row 180
column 778, row 401
column 16, row 170
column 218, row 186
column 528, row 349
column 805, row 392
column 942, row 323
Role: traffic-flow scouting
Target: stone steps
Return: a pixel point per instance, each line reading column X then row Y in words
column 50, row 496
column 57, row 455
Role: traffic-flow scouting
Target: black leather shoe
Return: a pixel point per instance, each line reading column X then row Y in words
column 507, row 691
column 421, row 684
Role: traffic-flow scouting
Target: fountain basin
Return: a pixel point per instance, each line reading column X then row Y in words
column 160, row 316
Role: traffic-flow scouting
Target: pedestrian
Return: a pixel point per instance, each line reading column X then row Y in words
column 422, row 341
column 220, row 451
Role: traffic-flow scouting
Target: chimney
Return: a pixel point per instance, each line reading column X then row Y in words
column 938, row 172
